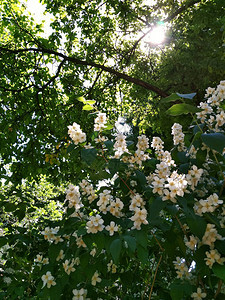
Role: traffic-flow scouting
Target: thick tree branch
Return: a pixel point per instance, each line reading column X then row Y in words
column 181, row 9
column 16, row 90
column 77, row 61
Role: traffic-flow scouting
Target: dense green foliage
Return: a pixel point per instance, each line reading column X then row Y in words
column 101, row 58
column 99, row 50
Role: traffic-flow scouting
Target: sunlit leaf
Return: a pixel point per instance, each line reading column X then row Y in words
column 87, row 107
column 182, row 108
column 171, row 98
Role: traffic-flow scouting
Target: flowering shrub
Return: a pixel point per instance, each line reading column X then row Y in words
column 143, row 223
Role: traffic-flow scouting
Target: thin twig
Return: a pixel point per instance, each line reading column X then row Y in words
column 127, row 186
column 181, row 225
column 150, row 295
column 160, row 246
column 142, row 297
column 219, row 288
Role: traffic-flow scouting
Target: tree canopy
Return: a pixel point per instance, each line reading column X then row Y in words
column 95, row 51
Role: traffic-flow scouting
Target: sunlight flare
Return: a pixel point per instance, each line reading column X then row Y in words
column 157, row 35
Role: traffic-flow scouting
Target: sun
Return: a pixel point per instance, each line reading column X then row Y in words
column 156, row 36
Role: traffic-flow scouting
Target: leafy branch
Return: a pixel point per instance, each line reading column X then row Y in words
column 78, row 61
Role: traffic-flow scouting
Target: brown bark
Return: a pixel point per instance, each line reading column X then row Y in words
column 77, row 61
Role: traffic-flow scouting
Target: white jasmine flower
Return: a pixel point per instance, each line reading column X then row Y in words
column 61, row 255
column 112, row 228
column 198, row 295
column 95, row 278
column 48, row 279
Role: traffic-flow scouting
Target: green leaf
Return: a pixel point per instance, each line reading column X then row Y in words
column 114, row 165
column 100, row 240
column 142, row 254
column 55, row 292
column 54, row 250
column 215, row 141
column 10, row 207
column 171, row 98
column 219, row 271
column 179, row 290
column 81, row 99
column 201, row 156
column 70, row 148
column 141, row 177
column 197, row 226
column 184, row 168
column 141, row 237
column 176, row 292
column 154, row 210
column 21, row 212
column 176, row 96
column 87, row 107
column 108, row 126
column 84, row 261
column 109, row 144
column 88, row 155
column 3, row 241
column 115, row 249
column 199, row 258
column 131, row 242
column 182, row 108
column 220, row 246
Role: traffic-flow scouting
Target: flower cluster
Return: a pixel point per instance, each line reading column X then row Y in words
column 120, row 145
column 181, row 268
column 169, row 184
column 69, row 267
column 60, row 256
column 212, row 113
column 100, row 122
column 104, row 199
column 76, row 133
column 194, row 176
column 157, row 144
column 95, row 224
column 111, row 267
column 50, row 234
column 143, row 143
column 73, row 196
column 40, row 259
column 140, row 213
column 87, row 189
column 212, row 257
column 192, row 243
column 178, row 136
column 211, row 235
column 209, row 205
column 80, row 294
